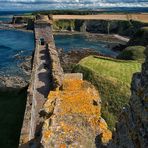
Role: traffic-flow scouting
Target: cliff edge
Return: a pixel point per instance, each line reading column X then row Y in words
column 132, row 126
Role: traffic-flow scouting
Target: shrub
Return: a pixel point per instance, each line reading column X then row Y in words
column 132, row 53
column 140, row 37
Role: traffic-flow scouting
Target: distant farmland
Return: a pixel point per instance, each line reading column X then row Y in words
column 143, row 17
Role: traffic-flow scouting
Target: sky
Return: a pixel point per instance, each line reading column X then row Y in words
column 68, row 4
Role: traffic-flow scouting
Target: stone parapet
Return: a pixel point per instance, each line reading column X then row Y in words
column 46, row 74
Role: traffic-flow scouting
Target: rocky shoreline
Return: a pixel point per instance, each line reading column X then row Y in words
column 68, row 59
column 11, row 82
column 71, row 58
column 107, row 38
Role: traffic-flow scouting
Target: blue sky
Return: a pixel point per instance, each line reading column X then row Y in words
column 68, row 4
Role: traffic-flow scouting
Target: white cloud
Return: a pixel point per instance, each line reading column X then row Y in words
column 68, row 4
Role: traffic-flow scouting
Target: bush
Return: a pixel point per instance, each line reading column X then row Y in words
column 64, row 25
column 132, row 53
column 140, row 38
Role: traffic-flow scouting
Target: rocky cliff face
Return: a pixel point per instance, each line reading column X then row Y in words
column 126, row 28
column 132, row 127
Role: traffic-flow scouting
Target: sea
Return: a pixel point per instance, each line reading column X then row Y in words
column 14, row 43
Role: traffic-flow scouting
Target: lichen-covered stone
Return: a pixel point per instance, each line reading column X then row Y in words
column 76, row 120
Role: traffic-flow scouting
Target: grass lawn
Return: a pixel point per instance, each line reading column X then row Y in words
column 112, row 78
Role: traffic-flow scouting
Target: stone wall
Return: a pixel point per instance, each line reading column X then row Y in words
column 72, row 116
column 132, row 126
column 57, row 71
column 46, row 75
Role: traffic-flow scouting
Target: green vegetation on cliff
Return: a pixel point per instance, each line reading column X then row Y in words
column 140, row 37
column 112, row 78
column 125, row 28
column 132, row 53
column 64, row 25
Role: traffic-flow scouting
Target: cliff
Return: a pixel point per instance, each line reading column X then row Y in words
column 28, row 20
column 132, row 126
column 125, row 28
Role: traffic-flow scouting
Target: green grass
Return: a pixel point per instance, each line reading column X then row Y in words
column 132, row 53
column 12, row 106
column 112, row 78
column 64, row 24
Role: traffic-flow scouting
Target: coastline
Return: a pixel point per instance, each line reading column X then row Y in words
column 112, row 38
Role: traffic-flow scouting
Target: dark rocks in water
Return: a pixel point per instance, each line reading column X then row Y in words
column 26, row 65
column 19, row 57
column 70, row 58
column 119, row 47
column 11, row 83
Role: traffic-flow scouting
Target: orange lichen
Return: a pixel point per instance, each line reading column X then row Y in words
column 62, row 146
column 66, row 127
column 76, row 98
column 46, row 134
column 106, row 136
column 72, row 85
column 100, row 124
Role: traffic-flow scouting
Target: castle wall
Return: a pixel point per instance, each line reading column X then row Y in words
column 46, row 75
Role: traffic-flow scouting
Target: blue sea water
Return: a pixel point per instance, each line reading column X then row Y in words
column 77, row 41
column 6, row 16
column 12, row 45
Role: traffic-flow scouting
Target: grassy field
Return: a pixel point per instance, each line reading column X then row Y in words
column 112, row 78
column 127, row 17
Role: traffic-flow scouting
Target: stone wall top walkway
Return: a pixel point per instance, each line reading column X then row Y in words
column 41, row 79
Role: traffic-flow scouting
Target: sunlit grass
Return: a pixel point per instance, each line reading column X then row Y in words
column 115, row 69
column 112, row 78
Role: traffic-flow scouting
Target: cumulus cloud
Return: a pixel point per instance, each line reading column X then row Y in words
column 68, row 4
